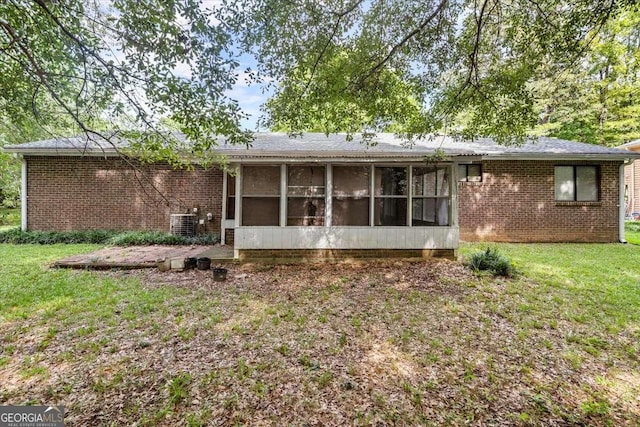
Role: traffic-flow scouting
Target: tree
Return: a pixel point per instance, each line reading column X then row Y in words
column 390, row 102
column 126, row 67
column 108, row 69
column 19, row 129
column 598, row 101
column 470, row 65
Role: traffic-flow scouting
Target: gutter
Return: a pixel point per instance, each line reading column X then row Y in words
column 621, row 207
column 60, row 152
column 23, row 195
column 560, row 157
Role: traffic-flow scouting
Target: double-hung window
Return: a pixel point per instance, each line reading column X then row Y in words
column 576, row 183
column 470, row 172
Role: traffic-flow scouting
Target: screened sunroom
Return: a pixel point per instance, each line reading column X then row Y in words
column 341, row 206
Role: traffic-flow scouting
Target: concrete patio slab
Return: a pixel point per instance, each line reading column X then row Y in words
column 132, row 257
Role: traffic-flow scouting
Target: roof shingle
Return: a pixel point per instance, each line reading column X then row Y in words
column 320, row 145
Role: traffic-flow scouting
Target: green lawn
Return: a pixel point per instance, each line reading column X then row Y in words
column 632, row 232
column 349, row 344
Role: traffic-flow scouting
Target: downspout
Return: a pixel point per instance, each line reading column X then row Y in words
column 621, row 206
column 633, row 189
column 23, row 196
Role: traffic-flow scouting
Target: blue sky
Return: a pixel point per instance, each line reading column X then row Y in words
column 249, row 97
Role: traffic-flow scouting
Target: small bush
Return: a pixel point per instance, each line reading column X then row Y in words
column 493, row 261
column 103, row 237
column 143, row 238
column 632, row 226
column 16, row 236
column 9, row 216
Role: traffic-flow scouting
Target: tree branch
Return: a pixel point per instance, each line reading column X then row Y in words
column 405, row 40
column 334, row 31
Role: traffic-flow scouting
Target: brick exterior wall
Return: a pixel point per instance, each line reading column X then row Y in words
column 80, row 193
column 515, row 202
column 229, row 234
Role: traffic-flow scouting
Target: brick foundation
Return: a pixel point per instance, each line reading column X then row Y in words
column 515, row 202
column 229, row 234
column 82, row 193
column 320, row 255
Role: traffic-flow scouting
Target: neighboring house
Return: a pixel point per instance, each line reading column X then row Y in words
column 319, row 196
column 632, row 181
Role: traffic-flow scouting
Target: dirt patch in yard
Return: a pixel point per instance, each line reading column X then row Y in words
column 134, row 257
column 375, row 343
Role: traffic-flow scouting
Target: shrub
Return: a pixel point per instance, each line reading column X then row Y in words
column 493, row 261
column 632, row 226
column 142, row 238
column 16, row 236
column 104, row 237
column 9, row 216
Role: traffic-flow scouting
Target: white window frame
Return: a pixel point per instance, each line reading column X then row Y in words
column 576, row 183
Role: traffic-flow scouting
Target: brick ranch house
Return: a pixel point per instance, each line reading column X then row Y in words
column 319, row 196
column 632, row 180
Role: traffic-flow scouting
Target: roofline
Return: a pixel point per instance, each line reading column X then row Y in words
column 627, row 145
column 569, row 156
column 335, row 160
column 339, row 156
column 72, row 152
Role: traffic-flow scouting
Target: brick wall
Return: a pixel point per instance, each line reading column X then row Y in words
column 516, row 202
column 79, row 193
column 229, row 236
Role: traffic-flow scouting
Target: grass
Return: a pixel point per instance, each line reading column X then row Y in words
column 632, row 232
column 374, row 343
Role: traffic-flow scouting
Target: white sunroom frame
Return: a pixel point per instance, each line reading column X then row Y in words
column 327, row 236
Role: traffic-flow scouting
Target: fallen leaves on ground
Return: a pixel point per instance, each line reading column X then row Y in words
column 361, row 343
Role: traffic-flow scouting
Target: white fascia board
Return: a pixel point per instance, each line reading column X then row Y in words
column 561, row 157
column 60, row 153
column 350, row 160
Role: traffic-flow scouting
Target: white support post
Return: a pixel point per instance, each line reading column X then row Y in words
column 238, row 213
column 223, row 216
column 328, row 191
column 283, row 195
column 372, row 196
column 409, row 194
column 23, row 196
column 453, row 191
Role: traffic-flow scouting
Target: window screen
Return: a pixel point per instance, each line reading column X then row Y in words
column 351, row 195
column 305, row 195
column 261, row 195
column 391, row 196
column 231, row 197
column 430, row 196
